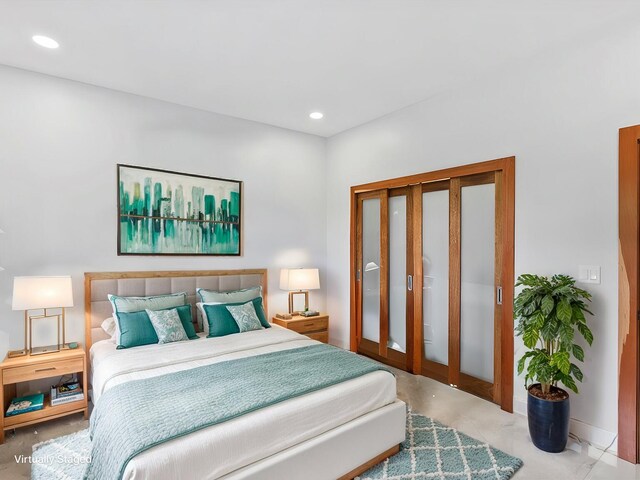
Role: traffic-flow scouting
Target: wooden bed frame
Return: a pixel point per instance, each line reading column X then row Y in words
column 309, row 453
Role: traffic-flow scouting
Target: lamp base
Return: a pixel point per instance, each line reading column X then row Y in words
column 305, row 294
column 45, row 349
column 16, row 353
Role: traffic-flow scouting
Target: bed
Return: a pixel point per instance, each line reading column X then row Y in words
column 335, row 432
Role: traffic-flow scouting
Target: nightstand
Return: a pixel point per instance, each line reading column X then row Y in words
column 34, row 367
column 316, row 328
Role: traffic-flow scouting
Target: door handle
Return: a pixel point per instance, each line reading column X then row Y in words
column 409, row 282
column 499, row 295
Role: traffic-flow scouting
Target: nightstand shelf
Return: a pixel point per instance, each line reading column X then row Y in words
column 48, row 413
column 316, row 328
column 27, row 368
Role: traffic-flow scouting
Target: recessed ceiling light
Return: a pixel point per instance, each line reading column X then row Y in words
column 45, row 42
column 316, row 115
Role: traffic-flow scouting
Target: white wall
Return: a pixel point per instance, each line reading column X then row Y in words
column 59, row 145
column 559, row 115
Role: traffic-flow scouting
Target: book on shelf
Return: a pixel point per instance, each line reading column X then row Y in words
column 28, row 403
column 57, row 399
column 67, row 389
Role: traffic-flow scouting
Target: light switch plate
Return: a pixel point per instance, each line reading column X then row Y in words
column 589, row 274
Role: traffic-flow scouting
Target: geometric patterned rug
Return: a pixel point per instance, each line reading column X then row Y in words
column 434, row 451
column 62, row 458
column 431, row 451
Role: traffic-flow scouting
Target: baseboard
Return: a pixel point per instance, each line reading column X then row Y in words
column 596, row 436
column 520, row 407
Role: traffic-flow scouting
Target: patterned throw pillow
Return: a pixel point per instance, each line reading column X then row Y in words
column 167, row 325
column 246, row 317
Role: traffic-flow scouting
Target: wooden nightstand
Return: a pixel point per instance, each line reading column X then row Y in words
column 48, row 365
column 316, row 328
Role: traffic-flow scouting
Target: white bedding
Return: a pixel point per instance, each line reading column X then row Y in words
column 220, row 449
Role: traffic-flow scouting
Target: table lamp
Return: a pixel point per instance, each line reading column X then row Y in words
column 41, row 294
column 298, row 281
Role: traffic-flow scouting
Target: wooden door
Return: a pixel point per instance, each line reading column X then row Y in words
column 384, row 297
column 461, row 253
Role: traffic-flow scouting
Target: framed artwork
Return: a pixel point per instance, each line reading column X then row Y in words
column 161, row 212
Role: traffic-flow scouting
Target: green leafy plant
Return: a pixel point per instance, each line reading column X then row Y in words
column 549, row 311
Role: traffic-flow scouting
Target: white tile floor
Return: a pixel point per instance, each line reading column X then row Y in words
column 485, row 421
column 469, row 414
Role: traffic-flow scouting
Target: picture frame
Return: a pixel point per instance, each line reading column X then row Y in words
column 170, row 213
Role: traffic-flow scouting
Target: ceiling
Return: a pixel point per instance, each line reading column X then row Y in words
column 275, row 61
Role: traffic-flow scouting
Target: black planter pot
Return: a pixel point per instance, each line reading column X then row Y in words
column 548, row 422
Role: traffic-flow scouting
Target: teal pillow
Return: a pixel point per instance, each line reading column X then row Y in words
column 221, row 321
column 187, row 321
column 136, row 328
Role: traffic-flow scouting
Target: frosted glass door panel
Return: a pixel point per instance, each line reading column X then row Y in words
column 371, row 269
column 477, row 281
column 398, row 273
column 435, row 267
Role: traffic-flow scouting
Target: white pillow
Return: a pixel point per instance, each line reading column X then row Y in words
column 110, row 326
column 202, row 316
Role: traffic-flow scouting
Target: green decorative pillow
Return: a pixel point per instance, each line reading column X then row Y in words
column 235, row 296
column 155, row 302
column 220, row 320
column 245, row 316
column 167, row 325
column 136, row 328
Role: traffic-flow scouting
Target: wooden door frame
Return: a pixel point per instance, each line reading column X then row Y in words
column 628, row 283
column 506, row 168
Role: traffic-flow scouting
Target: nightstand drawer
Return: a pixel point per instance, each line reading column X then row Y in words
column 42, row 370
column 309, row 325
column 319, row 336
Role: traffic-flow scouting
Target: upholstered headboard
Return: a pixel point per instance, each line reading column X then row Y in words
column 97, row 285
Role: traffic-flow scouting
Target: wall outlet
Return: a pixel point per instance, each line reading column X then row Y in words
column 589, row 274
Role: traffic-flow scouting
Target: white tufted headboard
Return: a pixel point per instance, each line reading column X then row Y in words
column 97, row 285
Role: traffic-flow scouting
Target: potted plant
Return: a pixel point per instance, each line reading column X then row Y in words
column 549, row 311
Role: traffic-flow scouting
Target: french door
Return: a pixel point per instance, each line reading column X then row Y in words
column 432, row 285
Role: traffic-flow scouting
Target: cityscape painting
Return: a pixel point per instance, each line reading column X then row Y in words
column 169, row 213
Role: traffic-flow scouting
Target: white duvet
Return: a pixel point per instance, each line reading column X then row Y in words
column 221, row 449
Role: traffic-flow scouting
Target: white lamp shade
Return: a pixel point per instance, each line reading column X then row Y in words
column 299, row 279
column 30, row 293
